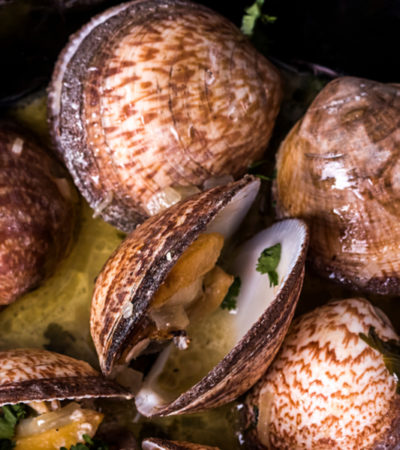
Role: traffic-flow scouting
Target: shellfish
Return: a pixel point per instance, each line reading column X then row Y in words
column 41, row 379
column 37, row 209
column 327, row 388
column 338, row 170
column 126, row 317
column 158, row 94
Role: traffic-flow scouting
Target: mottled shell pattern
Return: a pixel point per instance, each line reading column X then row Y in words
column 328, row 388
column 37, row 213
column 164, row 444
column 338, row 169
column 28, row 375
column 120, row 318
column 158, row 93
column 133, row 273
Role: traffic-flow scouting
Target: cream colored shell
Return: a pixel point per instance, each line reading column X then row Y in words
column 327, row 388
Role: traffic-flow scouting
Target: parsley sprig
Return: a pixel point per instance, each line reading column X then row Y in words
column 252, row 14
column 268, row 262
column 390, row 351
column 229, row 302
column 11, row 415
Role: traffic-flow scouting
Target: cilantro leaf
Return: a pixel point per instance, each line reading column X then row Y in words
column 268, row 262
column 229, row 302
column 252, row 14
column 9, row 419
column 390, row 351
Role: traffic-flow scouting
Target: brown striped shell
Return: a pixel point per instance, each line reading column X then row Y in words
column 28, row 375
column 124, row 289
column 338, row 169
column 37, row 213
column 158, row 93
column 327, row 388
column 164, row 444
column 137, row 268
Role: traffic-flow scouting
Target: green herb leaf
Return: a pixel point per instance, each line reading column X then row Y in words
column 88, row 439
column 390, row 351
column 268, row 262
column 9, row 419
column 91, row 444
column 252, row 14
column 229, row 302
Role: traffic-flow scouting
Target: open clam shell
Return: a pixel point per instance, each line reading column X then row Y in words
column 158, row 93
column 37, row 212
column 338, row 169
column 124, row 290
column 28, row 375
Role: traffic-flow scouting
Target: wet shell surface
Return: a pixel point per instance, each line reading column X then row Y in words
column 155, row 94
column 338, row 169
column 134, row 273
column 28, row 375
column 37, row 213
column 164, row 444
column 327, row 388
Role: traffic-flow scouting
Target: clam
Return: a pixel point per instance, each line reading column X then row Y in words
column 338, row 170
column 37, row 213
column 51, row 384
column 328, row 388
column 154, row 98
column 164, row 444
column 164, row 278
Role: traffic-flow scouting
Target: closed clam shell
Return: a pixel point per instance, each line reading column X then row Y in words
column 327, row 388
column 124, row 289
column 37, row 213
column 338, row 169
column 28, row 375
column 158, row 93
column 164, row 444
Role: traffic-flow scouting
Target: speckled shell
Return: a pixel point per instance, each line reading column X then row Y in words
column 338, row 169
column 163, row 444
column 37, row 213
column 329, row 389
column 34, row 375
column 158, row 93
column 139, row 266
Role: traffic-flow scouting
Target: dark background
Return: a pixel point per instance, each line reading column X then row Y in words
column 353, row 37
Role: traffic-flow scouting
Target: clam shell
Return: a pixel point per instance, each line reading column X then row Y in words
column 158, row 93
column 164, row 444
column 338, row 169
column 37, row 213
column 136, row 270
column 28, row 375
column 327, row 388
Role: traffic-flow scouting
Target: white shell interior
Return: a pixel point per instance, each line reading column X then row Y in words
column 255, row 294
